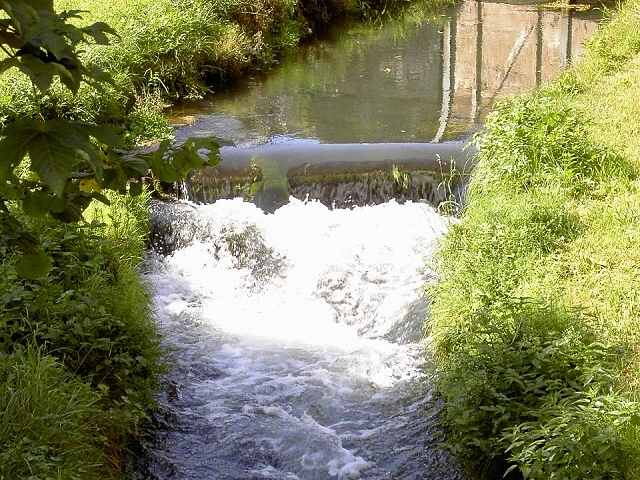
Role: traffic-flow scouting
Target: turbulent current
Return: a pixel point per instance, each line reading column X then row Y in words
column 296, row 345
column 295, row 338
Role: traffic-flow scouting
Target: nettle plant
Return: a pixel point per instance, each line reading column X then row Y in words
column 56, row 166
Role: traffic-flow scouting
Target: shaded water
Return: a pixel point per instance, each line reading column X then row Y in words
column 296, row 339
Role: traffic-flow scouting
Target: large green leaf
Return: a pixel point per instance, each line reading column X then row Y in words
column 134, row 166
column 40, row 72
column 39, row 203
column 170, row 164
column 56, row 148
column 51, row 156
column 44, row 44
column 13, row 146
column 34, row 265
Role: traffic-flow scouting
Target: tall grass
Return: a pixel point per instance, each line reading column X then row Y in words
column 79, row 355
column 48, row 422
column 536, row 316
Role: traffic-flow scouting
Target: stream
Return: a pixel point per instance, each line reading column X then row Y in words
column 292, row 300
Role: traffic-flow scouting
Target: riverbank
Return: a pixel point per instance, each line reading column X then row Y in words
column 79, row 354
column 535, row 317
column 169, row 51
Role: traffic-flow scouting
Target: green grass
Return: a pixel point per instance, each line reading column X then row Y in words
column 49, row 427
column 79, row 354
column 175, row 49
column 536, row 316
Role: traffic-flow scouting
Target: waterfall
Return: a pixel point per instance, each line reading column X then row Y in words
column 295, row 342
column 338, row 175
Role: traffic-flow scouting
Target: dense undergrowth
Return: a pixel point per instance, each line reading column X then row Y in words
column 537, row 314
column 79, row 356
column 171, row 49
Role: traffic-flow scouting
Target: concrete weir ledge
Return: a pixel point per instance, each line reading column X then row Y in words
column 338, row 175
column 291, row 156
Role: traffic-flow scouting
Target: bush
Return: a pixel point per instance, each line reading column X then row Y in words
column 92, row 311
column 527, row 384
column 540, row 140
column 531, row 386
column 91, row 314
column 585, row 435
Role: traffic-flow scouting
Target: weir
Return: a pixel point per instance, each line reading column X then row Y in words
column 338, row 175
column 290, row 282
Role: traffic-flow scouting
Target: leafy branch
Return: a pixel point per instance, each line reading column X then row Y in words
column 68, row 163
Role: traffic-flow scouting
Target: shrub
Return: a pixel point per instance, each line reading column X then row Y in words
column 540, row 140
column 91, row 315
column 585, row 435
column 92, row 311
column 530, row 385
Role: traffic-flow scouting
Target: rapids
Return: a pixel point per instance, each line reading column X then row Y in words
column 295, row 342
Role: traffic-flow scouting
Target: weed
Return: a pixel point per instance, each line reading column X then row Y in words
column 91, row 315
column 49, row 421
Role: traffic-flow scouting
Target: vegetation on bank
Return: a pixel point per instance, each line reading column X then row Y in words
column 536, row 315
column 169, row 50
column 79, row 355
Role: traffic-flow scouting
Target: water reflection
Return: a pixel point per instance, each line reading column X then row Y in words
column 415, row 79
column 495, row 50
column 335, row 120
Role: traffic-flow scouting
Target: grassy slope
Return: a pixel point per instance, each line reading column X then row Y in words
column 536, row 317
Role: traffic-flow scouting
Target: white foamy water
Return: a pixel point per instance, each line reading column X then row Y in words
column 296, row 344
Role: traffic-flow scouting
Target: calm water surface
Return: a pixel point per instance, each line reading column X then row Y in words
column 414, row 79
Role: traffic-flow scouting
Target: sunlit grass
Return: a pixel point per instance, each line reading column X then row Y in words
column 49, row 421
column 552, row 225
